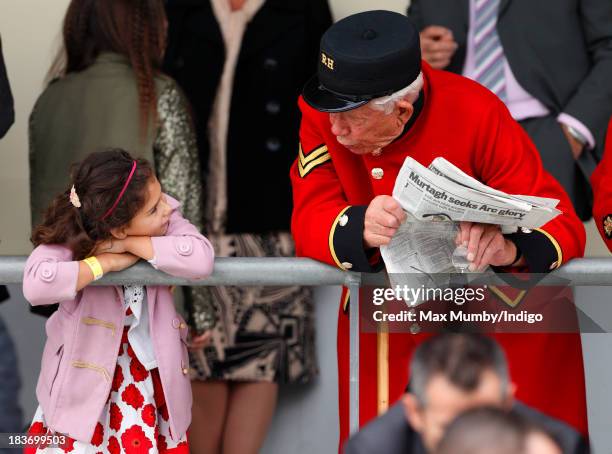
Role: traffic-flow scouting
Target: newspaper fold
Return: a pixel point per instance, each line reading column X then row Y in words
column 436, row 200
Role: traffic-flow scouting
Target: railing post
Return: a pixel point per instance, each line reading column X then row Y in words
column 354, row 284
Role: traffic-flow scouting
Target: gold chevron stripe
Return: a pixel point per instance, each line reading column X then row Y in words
column 306, row 169
column 314, row 154
column 505, row 298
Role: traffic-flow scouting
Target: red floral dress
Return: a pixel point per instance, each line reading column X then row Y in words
column 135, row 418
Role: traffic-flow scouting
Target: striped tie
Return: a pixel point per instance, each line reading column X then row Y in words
column 489, row 54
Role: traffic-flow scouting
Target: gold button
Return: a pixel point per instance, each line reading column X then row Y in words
column 377, row 173
column 347, row 265
column 343, row 220
column 182, row 326
column 526, row 230
column 185, row 371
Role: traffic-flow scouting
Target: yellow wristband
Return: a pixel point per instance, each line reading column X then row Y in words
column 95, row 267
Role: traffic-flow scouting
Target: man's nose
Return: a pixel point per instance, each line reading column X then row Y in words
column 339, row 127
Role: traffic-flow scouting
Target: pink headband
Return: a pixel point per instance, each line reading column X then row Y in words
column 129, row 178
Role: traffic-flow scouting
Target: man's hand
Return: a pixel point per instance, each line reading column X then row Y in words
column 382, row 219
column 437, row 46
column 486, row 245
column 574, row 143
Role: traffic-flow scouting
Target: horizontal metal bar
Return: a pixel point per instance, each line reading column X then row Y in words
column 241, row 271
column 244, row 271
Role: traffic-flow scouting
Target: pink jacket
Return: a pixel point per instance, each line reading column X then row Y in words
column 84, row 335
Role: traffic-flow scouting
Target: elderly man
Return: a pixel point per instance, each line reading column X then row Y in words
column 602, row 189
column 372, row 104
column 450, row 374
column 549, row 61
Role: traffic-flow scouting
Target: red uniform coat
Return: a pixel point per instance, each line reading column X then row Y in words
column 466, row 124
column 602, row 192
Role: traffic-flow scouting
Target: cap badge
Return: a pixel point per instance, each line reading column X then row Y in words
column 327, row 61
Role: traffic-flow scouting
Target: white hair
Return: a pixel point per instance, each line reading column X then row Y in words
column 410, row 93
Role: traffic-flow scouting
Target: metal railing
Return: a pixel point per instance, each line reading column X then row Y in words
column 306, row 272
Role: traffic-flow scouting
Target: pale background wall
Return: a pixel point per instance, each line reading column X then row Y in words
column 30, row 33
column 343, row 8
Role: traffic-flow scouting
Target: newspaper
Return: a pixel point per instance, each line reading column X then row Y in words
column 436, row 199
column 421, row 253
column 443, row 191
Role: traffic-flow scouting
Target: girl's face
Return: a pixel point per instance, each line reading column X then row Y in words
column 153, row 217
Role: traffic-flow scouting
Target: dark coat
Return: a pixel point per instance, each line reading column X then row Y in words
column 278, row 54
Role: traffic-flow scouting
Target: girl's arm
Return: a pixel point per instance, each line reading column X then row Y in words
column 109, row 262
column 182, row 252
column 140, row 246
column 50, row 276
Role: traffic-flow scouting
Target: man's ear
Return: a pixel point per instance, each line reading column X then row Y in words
column 509, row 401
column 413, row 412
column 119, row 233
column 404, row 111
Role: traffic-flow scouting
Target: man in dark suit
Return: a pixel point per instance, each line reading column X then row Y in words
column 550, row 61
column 451, row 373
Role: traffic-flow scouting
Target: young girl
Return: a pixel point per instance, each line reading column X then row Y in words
column 114, row 374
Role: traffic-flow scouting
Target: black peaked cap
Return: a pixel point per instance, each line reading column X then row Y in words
column 363, row 57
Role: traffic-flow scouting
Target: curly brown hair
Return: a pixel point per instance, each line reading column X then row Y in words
column 133, row 28
column 97, row 180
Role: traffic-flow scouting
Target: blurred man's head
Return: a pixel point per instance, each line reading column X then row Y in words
column 451, row 373
column 484, row 430
column 492, row 430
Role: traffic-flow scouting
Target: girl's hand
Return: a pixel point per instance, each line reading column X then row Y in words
column 109, row 262
column 140, row 246
column 117, row 262
column 201, row 341
column 112, row 246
